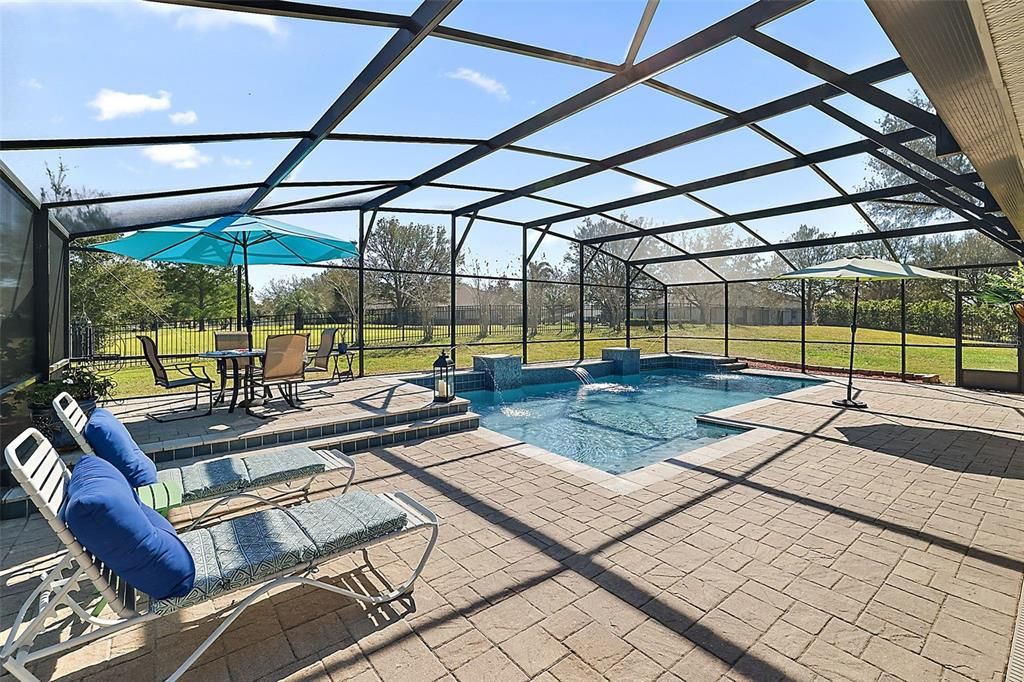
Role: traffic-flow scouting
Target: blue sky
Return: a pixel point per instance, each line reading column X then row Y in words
column 122, row 67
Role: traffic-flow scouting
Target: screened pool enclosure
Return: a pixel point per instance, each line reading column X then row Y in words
column 533, row 192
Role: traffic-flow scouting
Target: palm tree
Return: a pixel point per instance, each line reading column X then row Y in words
column 545, row 272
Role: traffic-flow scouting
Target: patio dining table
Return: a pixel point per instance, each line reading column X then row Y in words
column 239, row 379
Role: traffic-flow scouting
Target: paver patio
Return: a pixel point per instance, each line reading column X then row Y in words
column 848, row 545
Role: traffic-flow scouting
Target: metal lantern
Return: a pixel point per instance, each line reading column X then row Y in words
column 444, row 379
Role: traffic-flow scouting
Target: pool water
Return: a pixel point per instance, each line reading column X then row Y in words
column 628, row 423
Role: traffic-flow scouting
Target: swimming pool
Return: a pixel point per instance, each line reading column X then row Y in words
column 626, row 423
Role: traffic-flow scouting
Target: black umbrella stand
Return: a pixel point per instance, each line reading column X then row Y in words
column 849, row 401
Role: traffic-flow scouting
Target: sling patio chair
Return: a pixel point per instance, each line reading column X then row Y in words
column 230, row 340
column 320, row 362
column 226, row 478
column 284, row 366
column 188, row 377
column 257, row 552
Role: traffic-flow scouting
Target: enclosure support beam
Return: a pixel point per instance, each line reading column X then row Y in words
column 949, row 177
column 824, row 241
column 925, row 120
column 803, row 326
column 771, row 168
column 579, row 316
column 360, row 341
column 774, row 211
column 725, row 326
column 525, row 316
column 41, row 289
column 903, row 330
column 454, row 250
column 665, row 312
column 465, row 233
column 629, row 306
column 426, row 17
column 768, row 110
column 708, row 38
column 640, row 33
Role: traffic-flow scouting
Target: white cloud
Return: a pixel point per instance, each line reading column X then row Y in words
column 112, row 104
column 491, row 86
column 183, row 156
column 183, row 118
column 202, row 19
column 643, row 187
column 32, row 83
column 235, row 162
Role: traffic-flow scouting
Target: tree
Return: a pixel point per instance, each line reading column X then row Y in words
column 603, row 268
column 536, row 291
column 104, row 289
column 398, row 257
column 286, row 295
column 816, row 290
column 201, row 292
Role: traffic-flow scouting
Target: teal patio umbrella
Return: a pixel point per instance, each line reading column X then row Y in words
column 861, row 269
column 232, row 241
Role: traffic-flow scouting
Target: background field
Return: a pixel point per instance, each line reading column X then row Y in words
column 826, row 345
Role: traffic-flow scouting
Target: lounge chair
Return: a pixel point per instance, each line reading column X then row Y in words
column 226, row 478
column 188, row 377
column 257, row 552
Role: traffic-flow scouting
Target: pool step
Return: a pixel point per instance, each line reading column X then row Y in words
column 733, row 366
column 14, row 503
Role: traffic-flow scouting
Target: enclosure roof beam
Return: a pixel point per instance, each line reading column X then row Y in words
column 823, row 241
column 800, row 207
column 165, row 194
column 768, row 110
column 303, row 10
column 856, row 86
column 424, row 20
column 924, row 162
column 717, row 34
column 641, row 32
column 830, row 154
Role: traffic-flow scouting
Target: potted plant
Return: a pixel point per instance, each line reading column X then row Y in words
column 85, row 386
column 1006, row 290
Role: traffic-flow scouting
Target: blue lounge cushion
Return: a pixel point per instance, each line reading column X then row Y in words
column 135, row 542
column 111, row 441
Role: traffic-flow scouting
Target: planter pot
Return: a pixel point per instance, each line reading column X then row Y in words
column 45, row 418
column 1018, row 310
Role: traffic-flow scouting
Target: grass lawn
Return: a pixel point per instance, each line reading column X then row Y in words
column 745, row 341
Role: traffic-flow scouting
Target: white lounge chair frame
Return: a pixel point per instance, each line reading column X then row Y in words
column 44, row 477
column 74, row 419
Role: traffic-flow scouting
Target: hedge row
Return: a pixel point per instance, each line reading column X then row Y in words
column 932, row 318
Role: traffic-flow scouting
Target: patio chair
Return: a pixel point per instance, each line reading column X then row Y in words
column 231, row 341
column 320, row 362
column 257, row 552
column 284, row 366
column 188, row 378
column 223, row 479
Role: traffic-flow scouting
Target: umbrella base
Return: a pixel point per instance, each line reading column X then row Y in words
column 848, row 402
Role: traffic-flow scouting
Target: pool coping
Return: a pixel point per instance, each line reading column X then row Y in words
column 638, row 479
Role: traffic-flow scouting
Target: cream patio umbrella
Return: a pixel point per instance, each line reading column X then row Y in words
column 861, row 269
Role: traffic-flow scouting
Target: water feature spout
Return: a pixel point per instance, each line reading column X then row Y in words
column 582, row 374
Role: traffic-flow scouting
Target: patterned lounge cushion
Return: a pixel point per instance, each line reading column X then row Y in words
column 213, row 479
column 282, row 465
column 245, row 550
column 339, row 523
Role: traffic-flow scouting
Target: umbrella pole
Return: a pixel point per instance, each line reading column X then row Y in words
column 238, row 298
column 248, row 297
column 849, row 401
